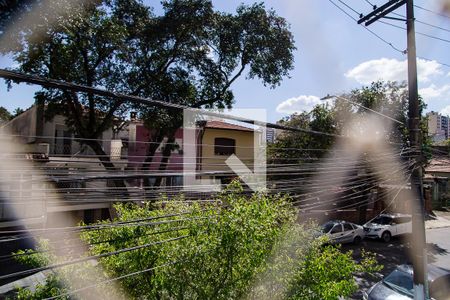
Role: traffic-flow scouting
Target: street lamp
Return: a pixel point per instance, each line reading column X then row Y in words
column 362, row 106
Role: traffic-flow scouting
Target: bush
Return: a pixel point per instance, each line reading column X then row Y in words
column 240, row 246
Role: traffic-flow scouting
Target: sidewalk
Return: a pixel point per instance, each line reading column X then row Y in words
column 442, row 220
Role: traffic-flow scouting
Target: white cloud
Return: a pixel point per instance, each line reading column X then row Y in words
column 392, row 70
column 445, row 111
column 435, row 92
column 298, row 104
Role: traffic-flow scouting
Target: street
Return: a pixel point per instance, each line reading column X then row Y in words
column 438, row 243
column 396, row 252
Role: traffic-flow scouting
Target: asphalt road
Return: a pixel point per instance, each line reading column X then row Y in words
column 438, row 244
column 397, row 252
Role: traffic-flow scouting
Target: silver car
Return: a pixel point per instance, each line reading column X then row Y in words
column 341, row 232
column 398, row 285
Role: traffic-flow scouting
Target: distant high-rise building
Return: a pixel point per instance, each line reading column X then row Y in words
column 438, row 126
column 270, row 135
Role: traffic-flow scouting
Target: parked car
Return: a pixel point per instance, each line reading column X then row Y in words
column 386, row 226
column 398, row 285
column 341, row 232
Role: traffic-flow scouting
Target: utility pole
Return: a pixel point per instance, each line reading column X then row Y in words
column 419, row 257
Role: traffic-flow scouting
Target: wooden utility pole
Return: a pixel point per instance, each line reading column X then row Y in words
column 419, row 257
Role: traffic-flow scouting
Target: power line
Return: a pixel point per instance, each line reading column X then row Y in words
column 371, row 4
column 14, row 255
column 431, row 11
column 419, row 33
column 349, row 7
column 424, row 23
column 58, row 84
column 120, row 277
column 84, row 259
column 369, row 30
column 439, row 62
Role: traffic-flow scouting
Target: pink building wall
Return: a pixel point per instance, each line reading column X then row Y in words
column 138, row 146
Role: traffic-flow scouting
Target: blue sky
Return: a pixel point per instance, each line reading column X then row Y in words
column 334, row 55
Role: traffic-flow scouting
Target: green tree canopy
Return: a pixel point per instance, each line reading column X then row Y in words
column 5, row 115
column 387, row 98
column 189, row 54
column 238, row 247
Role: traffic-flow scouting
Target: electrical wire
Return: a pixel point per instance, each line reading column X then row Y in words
column 92, row 257
column 417, row 32
column 28, row 253
column 369, row 30
column 431, row 11
column 118, row 278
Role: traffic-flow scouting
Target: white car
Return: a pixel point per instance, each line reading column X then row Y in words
column 386, row 226
column 341, row 232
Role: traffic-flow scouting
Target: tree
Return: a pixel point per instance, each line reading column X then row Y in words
column 196, row 54
column 189, row 55
column 5, row 115
column 297, row 146
column 84, row 45
column 387, row 98
column 17, row 112
column 219, row 252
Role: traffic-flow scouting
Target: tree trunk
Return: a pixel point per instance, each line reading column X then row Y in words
column 151, row 150
column 167, row 151
column 108, row 165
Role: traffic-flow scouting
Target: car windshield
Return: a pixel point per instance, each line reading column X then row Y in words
column 400, row 281
column 382, row 220
column 327, row 227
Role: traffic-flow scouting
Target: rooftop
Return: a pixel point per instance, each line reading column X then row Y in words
column 226, row 126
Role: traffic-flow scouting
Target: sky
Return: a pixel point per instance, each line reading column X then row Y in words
column 334, row 55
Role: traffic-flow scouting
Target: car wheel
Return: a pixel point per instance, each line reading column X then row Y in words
column 357, row 240
column 386, row 236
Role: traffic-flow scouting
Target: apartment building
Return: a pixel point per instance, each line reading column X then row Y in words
column 438, row 126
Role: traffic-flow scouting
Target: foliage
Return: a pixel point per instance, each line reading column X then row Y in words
column 297, row 146
column 190, row 55
column 303, row 268
column 36, row 258
column 240, row 246
column 51, row 288
column 226, row 246
column 5, row 115
column 388, row 98
column 328, row 274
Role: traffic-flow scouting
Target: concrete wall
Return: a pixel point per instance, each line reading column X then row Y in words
column 24, row 126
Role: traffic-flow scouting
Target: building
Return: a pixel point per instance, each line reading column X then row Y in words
column 437, row 182
column 53, row 148
column 270, row 135
column 79, row 175
column 138, row 146
column 219, row 140
column 438, row 126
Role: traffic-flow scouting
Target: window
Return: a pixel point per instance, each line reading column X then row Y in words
column 348, row 227
column 327, row 227
column 224, row 146
column 401, row 220
column 63, row 140
column 382, row 220
column 336, row 229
